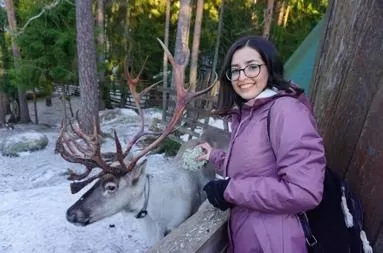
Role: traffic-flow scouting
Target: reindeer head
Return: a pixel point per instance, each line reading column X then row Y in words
column 120, row 179
column 108, row 196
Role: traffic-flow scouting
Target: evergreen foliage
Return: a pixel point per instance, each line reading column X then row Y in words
column 5, row 58
column 47, row 46
column 142, row 21
column 303, row 17
column 48, row 50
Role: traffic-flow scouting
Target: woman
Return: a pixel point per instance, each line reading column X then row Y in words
column 275, row 163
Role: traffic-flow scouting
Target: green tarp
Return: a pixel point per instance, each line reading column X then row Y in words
column 299, row 67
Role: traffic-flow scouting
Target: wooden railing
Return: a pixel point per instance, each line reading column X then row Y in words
column 204, row 232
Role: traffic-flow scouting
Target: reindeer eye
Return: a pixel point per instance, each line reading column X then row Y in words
column 110, row 187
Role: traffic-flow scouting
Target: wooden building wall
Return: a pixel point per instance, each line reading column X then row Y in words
column 347, row 92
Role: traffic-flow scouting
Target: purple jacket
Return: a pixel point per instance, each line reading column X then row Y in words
column 268, row 191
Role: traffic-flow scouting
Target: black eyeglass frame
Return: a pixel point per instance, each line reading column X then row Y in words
column 228, row 72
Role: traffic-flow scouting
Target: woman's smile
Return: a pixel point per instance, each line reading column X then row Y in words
column 245, row 86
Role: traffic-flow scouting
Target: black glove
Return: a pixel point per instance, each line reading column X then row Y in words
column 214, row 191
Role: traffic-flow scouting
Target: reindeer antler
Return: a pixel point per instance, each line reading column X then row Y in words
column 78, row 147
column 184, row 96
column 132, row 84
column 71, row 147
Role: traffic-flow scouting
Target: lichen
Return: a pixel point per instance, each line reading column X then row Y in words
column 190, row 161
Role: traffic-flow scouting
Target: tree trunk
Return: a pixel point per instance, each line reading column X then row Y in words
column 165, row 95
column 215, row 89
column 127, row 45
column 195, row 46
column 34, row 99
column 281, row 6
column 86, row 54
column 3, row 96
column 268, row 18
column 194, row 63
column 24, row 111
column 3, row 108
column 5, row 63
column 101, row 55
column 48, row 101
column 182, row 38
column 347, row 93
column 219, row 32
column 286, row 17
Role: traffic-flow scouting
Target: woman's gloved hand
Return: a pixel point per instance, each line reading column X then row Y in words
column 214, row 191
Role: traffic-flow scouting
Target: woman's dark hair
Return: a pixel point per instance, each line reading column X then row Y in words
column 227, row 97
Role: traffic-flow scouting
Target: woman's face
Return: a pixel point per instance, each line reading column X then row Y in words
column 248, row 73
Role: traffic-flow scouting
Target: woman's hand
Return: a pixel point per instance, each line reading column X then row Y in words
column 206, row 149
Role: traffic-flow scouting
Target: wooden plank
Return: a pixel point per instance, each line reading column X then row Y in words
column 204, row 232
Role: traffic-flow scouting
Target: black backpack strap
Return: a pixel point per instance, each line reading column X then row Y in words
column 310, row 238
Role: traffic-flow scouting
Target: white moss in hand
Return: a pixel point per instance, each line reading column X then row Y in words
column 190, row 161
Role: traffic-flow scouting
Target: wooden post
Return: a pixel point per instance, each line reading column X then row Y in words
column 347, row 93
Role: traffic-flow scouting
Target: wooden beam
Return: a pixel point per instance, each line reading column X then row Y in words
column 203, row 232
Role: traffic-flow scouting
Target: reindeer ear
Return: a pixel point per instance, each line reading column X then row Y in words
column 136, row 173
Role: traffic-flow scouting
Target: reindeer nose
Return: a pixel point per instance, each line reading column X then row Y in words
column 77, row 216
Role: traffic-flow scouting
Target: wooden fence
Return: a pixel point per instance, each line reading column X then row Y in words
column 204, row 232
column 196, row 118
column 117, row 97
column 193, row 122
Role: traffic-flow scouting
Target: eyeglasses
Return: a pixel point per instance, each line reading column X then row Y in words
column 250, row 71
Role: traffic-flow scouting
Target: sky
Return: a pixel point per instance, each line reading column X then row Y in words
column 34, row 194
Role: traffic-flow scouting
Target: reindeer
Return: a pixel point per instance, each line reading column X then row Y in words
column 164, row 200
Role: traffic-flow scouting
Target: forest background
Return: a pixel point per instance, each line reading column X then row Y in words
column 44, row 34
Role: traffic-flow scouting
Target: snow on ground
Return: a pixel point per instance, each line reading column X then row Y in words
column 34, row 196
